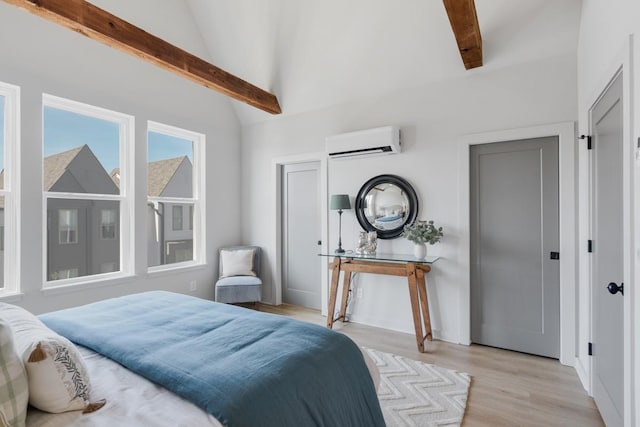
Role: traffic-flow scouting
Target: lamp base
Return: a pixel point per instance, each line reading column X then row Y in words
column 339, row 251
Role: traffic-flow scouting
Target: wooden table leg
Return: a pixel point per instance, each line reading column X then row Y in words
column 345, row 295
column 333, row 291
column 424, row 302
column 415, row 305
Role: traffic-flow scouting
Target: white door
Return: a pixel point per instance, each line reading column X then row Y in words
column 515, row 268
column 607, row 257
column 301, row 266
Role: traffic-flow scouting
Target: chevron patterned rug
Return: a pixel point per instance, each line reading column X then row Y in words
column 414, row 393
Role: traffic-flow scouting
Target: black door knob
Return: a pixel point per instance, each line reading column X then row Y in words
column 614, row 289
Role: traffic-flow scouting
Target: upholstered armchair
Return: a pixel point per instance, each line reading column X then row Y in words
column 239, row 275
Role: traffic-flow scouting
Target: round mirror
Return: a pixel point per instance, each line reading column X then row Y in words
column 385, row 204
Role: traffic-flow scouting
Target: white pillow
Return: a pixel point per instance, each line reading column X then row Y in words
column 237, row 262
column 58, row 378
column 14, row 392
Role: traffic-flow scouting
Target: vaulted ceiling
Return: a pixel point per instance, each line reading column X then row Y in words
column 315, row 54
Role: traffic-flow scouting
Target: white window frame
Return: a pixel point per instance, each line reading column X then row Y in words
column 126, row 124
column 67, row 228
column 197, row 199
column 103, row 224
column 11, row 188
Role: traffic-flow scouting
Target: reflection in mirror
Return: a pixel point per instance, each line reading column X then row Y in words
column 385, row 204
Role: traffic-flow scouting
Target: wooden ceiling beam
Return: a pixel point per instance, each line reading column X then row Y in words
column 464, row 23
column 98, row 24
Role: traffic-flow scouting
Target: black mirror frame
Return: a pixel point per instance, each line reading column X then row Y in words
column 386, row 179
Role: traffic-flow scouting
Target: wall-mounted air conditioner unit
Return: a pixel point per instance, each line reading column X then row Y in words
column 384, row 140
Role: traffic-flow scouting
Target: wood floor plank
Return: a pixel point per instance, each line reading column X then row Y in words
column 507, row 388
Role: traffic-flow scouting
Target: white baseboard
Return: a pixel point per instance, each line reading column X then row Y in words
column 582, row 374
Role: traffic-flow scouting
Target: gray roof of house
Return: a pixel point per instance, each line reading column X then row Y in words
column 56, row 164
column 159, row 173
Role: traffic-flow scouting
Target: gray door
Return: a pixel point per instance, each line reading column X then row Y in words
column 515, row 283
column 301, row 274
column 608, row 310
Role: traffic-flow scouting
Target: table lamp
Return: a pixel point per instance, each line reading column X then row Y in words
column 339, row 202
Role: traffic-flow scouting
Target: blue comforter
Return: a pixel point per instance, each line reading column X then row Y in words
column 246, row 368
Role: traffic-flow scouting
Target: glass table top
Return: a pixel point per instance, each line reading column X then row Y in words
column 381, row 256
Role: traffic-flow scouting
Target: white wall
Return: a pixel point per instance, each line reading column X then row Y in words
column 432, row 119
column 40, row 56
column 610, row 38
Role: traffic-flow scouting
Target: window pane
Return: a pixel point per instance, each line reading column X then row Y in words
column 81, row 153
column 166, row 245
column 74, row 244
column 108, row 219
column 67, row 226
column 170, row 170
column 176, row 217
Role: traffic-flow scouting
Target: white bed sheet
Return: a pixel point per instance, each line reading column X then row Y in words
column 133, row 400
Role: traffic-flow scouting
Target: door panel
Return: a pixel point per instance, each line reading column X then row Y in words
column 515, row 286
column 301, row 274
column 608, row 310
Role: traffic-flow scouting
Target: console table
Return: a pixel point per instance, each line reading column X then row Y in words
column 412, row 268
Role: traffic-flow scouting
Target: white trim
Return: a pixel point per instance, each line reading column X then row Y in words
column 198, row 199
column 77, row 284
column 276, row 183
column 582, row 371
column 623, row 61
column 566, row 146
column 83, row 196
column 622, row 64
column 126, row 145
column 11, row 189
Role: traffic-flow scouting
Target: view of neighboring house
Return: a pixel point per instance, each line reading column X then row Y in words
column 169, row 225
column 88, row 229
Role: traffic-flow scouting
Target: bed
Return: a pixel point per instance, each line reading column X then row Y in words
column 160, row 358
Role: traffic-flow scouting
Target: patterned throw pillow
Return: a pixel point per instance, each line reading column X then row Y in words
column 14, row 394
column 57, row 376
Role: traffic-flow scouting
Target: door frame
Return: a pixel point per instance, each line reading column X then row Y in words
column 622, row 62
column 565, row 132
column 276, row 180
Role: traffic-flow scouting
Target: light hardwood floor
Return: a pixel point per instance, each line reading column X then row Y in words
column 507, row 388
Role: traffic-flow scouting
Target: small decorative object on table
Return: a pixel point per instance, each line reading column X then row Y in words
column 420, row 233
column 367, row 243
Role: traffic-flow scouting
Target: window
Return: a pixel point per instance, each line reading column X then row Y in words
column 87, row 151
column 9, row 187
column 67, row 226
column 108, row 218
column 177, row 218
column 175, row 183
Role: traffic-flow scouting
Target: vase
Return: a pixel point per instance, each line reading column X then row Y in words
column 420, row 250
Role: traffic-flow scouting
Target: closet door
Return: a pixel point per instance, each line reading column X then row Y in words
column 515, row 268
column 301, row 274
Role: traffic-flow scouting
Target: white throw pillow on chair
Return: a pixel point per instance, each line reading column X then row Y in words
column 237, row 262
